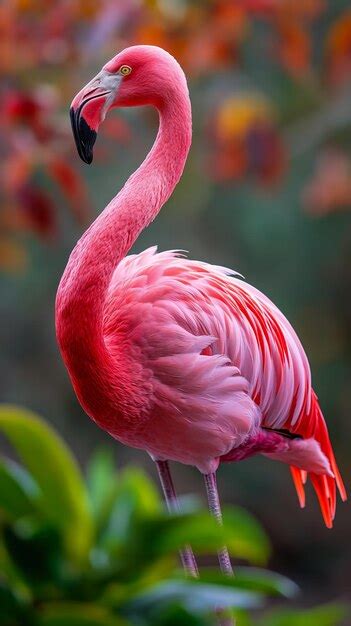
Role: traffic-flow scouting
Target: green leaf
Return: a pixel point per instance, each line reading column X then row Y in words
column 165, row 534
column 35, row 550
column 18, row 491
column 254, row 579
column 102, row 483
column 170, row 533
column 101, row 479
column 325, row 615
column 12, row 606
column 199, row 598
column 77, row 614
column 136, row 499
column 136, row 483
column 245, row 537
column 177, row 615
column 10, row 575
column 63, row 495
column 242, row 618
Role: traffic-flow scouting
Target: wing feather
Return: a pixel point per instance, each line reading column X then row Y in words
column 222, row 357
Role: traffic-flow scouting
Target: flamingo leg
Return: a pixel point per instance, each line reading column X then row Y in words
column 215, row 509
column 186, row 555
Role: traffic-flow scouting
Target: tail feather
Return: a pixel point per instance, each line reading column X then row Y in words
column 313, row 425
column 326, row 503
column 299, row 485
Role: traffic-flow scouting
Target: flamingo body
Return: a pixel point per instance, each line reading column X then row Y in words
column 179, row 357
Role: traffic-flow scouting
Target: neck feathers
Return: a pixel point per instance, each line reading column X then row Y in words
column 82, row 291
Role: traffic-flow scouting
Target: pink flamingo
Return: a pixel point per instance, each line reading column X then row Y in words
column 175, row 356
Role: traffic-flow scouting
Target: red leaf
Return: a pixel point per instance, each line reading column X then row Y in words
column 72, row 186
column 37, row 211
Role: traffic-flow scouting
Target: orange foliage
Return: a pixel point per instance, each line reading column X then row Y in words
column 202, row 37
column 52, row 40
column 294, row 47
column 245, row 141
column 290, row 9
column 338, row 49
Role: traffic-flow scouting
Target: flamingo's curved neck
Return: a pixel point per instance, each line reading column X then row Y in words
column 83, row 287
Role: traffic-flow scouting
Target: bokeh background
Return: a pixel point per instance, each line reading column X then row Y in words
column 266, row 191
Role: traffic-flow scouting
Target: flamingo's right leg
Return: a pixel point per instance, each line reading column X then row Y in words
column 215, row 509
column 186, row 555
column 225, row 618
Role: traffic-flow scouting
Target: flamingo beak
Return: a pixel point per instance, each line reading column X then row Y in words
column 88, row 110
column 84, row 136
column 83, row 113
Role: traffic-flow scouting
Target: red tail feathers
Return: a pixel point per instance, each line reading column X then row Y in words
column 313, row 425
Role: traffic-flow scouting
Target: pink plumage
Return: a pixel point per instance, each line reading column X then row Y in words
column 178, row 357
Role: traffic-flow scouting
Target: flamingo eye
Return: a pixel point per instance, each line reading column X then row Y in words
column 125, row 70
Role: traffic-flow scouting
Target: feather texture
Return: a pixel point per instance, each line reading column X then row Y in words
column 223, row 361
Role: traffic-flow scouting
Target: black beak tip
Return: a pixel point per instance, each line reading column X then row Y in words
column 89, row 157
column 84, row 136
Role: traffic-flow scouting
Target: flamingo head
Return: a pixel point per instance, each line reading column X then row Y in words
column 139, row 75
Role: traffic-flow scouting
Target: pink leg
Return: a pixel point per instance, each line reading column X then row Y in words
column 215, row 509
column 223, row 554
column 186, row 555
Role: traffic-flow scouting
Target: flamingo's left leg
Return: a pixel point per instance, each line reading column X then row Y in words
column 186, row 555
column 215, row 509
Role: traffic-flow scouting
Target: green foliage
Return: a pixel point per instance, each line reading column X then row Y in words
column 104, row 552
column 326, row 615
column 17, row 490
column 253, row 578
column 62, row 498
column 77, row 614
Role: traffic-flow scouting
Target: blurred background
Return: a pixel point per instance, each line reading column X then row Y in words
column 266, row 191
